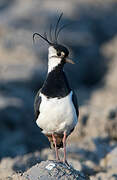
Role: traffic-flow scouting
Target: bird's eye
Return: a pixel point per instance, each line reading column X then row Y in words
column 62, row 53
column 58, row 53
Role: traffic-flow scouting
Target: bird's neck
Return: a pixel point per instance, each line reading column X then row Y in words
column 53, row 62
column 56, row 84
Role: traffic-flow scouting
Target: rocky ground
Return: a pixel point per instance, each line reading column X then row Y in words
column 92, row 40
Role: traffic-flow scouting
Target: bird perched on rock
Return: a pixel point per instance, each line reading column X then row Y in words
column 55, row 106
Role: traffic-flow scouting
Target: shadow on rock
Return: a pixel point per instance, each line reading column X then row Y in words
column 19, row 133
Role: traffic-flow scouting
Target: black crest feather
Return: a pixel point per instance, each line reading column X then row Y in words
column 53, row 40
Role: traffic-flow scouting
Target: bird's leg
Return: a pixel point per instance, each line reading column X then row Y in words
column 64, row 146
column 56, row 149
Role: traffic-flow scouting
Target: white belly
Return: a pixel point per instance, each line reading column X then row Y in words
column 57, row 115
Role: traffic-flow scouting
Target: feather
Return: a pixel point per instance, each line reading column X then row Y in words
column 37, row 103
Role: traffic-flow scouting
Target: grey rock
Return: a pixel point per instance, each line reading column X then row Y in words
column 111, row 126
column 111, row 129
column 110, row 161
column 51, row 170
column 104, row 176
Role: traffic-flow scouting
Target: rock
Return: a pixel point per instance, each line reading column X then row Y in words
column 111, row 129
column 109, row 51
column 51, row 170
column 111, row 126
column 112, row 114
column 104, row 176
column 110, row 161
column 6, row 168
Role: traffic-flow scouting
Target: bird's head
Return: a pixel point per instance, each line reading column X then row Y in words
column 60, row 52
column 57, row 52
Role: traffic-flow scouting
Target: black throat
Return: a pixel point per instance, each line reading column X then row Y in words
column 56, row 84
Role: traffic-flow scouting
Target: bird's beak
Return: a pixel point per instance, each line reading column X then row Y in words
column 69, row 61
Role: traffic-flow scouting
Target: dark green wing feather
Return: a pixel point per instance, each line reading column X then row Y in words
column 37, row 103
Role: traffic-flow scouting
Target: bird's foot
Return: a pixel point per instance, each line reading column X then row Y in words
column 62, row 161
column 59, row 161
column 65, row 162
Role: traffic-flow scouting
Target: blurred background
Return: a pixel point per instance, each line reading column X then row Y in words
column 92, row 40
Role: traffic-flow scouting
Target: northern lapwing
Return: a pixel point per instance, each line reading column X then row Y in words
column 55, row 106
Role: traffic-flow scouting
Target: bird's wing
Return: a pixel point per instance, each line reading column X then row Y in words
column 37, row 103
column 75, row 102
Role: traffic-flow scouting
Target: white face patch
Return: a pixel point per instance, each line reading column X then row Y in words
column 52, row 52
column 53, row 61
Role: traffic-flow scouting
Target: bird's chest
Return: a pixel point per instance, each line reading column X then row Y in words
column 56, row 114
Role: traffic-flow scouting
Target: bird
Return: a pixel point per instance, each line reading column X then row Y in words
column 55, row 105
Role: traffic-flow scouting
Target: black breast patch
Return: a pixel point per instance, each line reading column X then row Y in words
column 56, row 84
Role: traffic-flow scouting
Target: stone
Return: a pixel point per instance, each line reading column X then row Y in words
column 110, row 161
column 51, row 170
